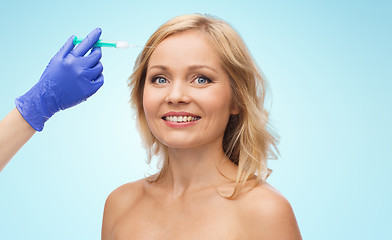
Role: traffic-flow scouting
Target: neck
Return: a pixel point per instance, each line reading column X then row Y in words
column 195, row 169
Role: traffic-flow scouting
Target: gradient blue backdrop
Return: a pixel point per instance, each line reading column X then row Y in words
column 328, row 65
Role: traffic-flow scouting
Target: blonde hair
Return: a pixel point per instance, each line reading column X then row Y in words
column 248, row 141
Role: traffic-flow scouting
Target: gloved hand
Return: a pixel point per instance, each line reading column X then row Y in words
column 69, row 79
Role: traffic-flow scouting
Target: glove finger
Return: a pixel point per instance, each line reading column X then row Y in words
column 97, row 84
column 87, row 43
column 93, row 73
column 67, row 47
column 93, row 58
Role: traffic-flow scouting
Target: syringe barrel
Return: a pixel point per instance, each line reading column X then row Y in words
column 99, row 43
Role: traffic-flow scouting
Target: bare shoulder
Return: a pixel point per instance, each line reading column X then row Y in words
column 267, row 214
column 127, row 192
column 118, row 202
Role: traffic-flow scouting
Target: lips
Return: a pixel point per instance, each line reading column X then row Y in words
column 180, row 114
column 180, row 117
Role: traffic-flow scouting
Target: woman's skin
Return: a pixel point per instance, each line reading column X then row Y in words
column 185, row 75
column 14, row 133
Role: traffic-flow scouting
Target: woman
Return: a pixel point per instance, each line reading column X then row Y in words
column 199, row 97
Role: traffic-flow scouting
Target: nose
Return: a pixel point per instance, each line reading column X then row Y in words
column 178, row 93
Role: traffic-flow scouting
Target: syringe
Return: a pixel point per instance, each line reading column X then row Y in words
column 107, row 43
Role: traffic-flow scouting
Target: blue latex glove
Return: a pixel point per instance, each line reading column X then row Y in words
column 69, row 79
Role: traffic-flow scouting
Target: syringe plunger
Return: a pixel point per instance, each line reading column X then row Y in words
column 106, row 43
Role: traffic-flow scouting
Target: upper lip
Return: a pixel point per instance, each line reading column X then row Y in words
column 179, row 114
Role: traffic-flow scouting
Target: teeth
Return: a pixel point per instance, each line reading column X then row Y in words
column 181, row 118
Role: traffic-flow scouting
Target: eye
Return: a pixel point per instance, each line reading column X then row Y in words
column 202, row 80
column 159, row 80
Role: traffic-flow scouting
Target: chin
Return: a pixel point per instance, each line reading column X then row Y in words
column 178, row 145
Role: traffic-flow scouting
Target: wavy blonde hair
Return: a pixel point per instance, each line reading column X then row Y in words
column 248, row 140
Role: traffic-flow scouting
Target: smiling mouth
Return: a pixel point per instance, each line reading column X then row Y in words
column 180, row 119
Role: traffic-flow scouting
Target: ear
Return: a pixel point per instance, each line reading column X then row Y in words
column 234, row 109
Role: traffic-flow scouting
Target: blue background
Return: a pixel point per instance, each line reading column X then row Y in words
column 328, row 65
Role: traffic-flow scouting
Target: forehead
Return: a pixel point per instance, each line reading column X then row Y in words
column 183, row 49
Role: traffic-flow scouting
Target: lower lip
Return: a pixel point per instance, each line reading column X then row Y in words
column 179, row 124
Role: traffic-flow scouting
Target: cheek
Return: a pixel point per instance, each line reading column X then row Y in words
column 217, row 101
column 149, row 102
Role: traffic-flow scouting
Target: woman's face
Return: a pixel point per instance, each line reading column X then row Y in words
column 187, row 93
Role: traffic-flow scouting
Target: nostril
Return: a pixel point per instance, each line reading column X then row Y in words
column 177, row 99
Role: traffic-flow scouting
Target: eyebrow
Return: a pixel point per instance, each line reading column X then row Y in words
column 191, row 68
